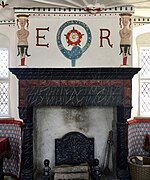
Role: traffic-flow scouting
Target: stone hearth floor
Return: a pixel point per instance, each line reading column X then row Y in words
column 39, row 177
column 8, row 178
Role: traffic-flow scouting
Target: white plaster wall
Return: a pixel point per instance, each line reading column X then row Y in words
column 54, row 122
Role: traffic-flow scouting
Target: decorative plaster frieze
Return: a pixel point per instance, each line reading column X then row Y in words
column 12, row 22
column 62, row 11
column 69, row 12
column 141, row 21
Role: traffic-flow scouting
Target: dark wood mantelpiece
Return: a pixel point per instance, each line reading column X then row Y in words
column 75, row 73
column 105, row 86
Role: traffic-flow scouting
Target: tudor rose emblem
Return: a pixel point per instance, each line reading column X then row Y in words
column 73, row 39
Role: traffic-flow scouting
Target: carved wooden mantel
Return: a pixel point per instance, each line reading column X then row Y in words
column 105, row 86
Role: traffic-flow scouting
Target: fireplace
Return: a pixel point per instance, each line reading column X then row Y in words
column 105, row 86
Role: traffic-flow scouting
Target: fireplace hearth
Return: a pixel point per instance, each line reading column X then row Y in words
column 77, row 87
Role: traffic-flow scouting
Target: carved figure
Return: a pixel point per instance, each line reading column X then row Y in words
column 125, row 36
column 22, row 35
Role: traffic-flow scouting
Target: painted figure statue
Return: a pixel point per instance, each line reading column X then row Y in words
column 22, row 34
column 125, row 36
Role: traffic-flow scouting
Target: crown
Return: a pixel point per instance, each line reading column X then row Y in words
column 22, row 16
column 125, row 14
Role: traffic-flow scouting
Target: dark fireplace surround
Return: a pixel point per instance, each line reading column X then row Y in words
column 39, row 87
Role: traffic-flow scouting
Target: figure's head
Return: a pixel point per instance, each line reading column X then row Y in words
column 125, row 19
column 22, row 20
column 96, row 162
column 46, row 162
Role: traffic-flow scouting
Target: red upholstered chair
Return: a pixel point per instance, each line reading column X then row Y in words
column 12, row 129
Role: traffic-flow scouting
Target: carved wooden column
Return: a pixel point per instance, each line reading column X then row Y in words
column 27, row 144
column 123, row 113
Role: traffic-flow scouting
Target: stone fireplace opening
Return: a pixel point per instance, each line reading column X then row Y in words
column 75, row 87
column 55, row 121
